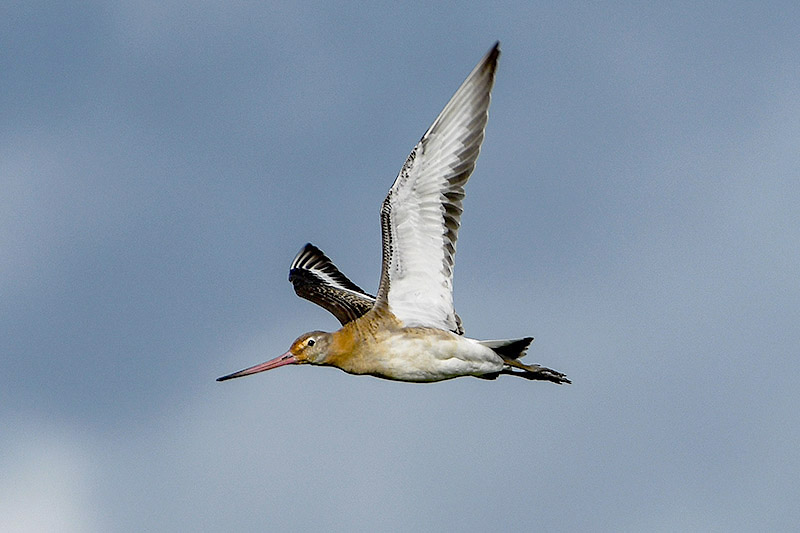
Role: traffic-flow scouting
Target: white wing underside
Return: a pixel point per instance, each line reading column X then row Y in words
column 421, row 214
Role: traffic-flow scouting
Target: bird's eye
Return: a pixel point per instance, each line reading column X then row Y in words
column 310, row 342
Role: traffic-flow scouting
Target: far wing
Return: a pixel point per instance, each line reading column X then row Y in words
column 317, row 279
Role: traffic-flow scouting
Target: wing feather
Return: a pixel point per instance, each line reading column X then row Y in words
column 316, row 278
column 421, row 215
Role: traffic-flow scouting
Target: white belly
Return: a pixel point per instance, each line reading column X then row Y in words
column 416, row 356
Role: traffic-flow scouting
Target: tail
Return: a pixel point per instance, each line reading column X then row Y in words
column 512, row 350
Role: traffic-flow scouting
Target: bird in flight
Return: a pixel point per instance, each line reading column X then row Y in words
column 410, row 331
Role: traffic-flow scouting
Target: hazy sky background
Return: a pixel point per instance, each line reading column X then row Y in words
column 635, row 208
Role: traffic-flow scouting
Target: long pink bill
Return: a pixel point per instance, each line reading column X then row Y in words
column 285, row 359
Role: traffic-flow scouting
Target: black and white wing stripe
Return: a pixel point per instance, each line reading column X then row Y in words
column 421, row 215
column 317, row 279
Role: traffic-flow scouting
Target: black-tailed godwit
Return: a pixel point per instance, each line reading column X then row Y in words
column 410, row 330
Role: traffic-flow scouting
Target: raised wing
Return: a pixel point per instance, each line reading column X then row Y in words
column 421, row 214
column 317, row 279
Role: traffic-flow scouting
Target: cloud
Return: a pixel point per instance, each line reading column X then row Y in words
column 47, row 480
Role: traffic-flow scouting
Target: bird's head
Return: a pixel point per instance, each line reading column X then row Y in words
column 309, row 348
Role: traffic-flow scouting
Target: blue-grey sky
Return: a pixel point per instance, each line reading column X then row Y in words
column 635, row 208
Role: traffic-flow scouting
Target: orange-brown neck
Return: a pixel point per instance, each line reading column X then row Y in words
column 352, row 345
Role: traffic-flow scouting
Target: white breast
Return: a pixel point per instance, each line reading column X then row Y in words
column 411, row 355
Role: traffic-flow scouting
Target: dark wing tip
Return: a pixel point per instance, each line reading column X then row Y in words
column 311, row 258
column 489, row 61
column 316, row 279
